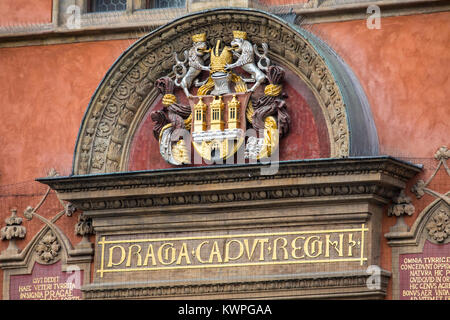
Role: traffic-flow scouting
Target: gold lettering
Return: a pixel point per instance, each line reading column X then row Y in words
column 337, row 245
column 295, row 248
column 183, row 253
column 250, row 254
column 150, row 254
column 315, row 249
column 170, row 251
column 227, row 250
column 215, row 252
column 137, row 253
column 241, row 249
column 351, row 244
column 122, row 257
column 261, row 255
column 198, row 252
column 283, row 247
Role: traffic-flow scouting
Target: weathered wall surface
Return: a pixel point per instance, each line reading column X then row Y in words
column 16, row 12
column 403, row 68
column 45, row 91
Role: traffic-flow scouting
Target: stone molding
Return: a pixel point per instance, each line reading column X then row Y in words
column 331, row 284
column 234, row 173
column 234, row 184
column 233, row 189
column 12, row 231
column 129, row 25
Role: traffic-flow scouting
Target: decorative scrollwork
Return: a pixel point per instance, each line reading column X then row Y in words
column 421, row 187
column 401, row 205
column 48, row 248
column 12, row 231
column 439, row 226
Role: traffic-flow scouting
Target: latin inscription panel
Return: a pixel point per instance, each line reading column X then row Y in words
column 175, row 256
column 47, row 282
column 426, row 275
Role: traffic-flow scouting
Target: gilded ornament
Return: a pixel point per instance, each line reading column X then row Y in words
column 220, row 108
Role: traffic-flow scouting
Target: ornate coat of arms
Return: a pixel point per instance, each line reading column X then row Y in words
column 222, row 117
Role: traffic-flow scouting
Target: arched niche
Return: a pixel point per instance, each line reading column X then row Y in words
column 427, row 238
column 48, row 268
column 127, row 93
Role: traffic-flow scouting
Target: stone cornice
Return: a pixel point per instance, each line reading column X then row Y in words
column 195, row 189
column 232, row 173
column 134, row 27
column 355, row 284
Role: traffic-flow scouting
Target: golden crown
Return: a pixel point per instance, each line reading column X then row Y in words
column 240, row 34
column 219, row 61
column 199, row 37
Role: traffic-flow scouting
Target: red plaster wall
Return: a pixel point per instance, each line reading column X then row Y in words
column 45, row 91
column 14, row 12
column 404, row 70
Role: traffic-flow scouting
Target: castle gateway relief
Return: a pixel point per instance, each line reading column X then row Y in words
column 229, row 154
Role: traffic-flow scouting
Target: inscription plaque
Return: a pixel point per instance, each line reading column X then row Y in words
column 426, row 275
column 46, row 282
column 290, row 247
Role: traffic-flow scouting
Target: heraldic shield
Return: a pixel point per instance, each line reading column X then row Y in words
column 219, row 124
column 221, row 108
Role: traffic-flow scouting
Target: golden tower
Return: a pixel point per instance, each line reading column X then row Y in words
column 233, row 113
column 199, row 116
column 216, row 108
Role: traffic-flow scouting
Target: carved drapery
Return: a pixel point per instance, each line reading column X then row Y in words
column 127, row 91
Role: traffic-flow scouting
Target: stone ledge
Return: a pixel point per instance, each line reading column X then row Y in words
column 334, row 285
column 233, row 173
column 131, row 27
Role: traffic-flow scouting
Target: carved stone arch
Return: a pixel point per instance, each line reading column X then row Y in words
column 126, row 92
column 414, row 240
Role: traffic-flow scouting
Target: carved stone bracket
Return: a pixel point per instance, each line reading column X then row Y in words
column 84, row 228
column 13, row 230
column 401, row 206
